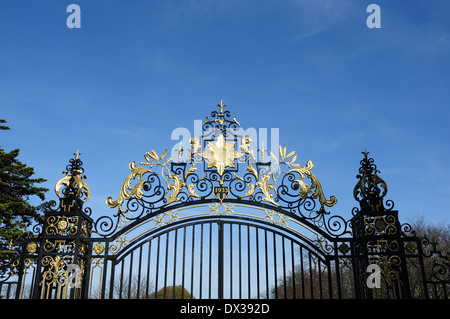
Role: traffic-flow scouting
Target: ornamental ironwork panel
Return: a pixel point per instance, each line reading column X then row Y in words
column 221, row 218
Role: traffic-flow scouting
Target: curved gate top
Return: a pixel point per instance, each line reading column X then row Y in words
column 220, row 191
column 223, row 165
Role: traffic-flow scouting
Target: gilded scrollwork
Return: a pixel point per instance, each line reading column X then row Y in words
column 219, row 165
column 73, row 183
column 62, row 225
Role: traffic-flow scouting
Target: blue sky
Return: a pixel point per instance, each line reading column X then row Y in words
column 136, row 70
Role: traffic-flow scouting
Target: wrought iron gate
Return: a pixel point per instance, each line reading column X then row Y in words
column 219, row 219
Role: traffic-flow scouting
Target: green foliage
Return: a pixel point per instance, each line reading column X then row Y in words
column 179, row 294
column 17, row 186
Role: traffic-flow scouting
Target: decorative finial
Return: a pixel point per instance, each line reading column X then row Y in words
column 262, row 152
column 179, row 150
column 221, row 105
column 75, row 186
column 370, row 189
column 365, row 154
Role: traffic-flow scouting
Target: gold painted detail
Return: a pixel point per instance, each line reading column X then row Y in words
column 231, row 169
column 276, row 218
column 166, row 218
column 32, row 248
column 173, row 182
column 99, row 248
column 55, row 277
column 380, row 225
column 74, row 179
column 221, row 192
column 59, row 246
column 221, row 154
column 62, row 225
column 221, row 209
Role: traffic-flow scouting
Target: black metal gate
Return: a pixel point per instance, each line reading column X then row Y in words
column 214, row 221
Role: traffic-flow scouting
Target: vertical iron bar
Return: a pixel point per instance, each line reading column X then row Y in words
column 121, row 280
column 157, row 267
column 192, row 262
column 103, row 275
column 210, row 257
column 184, row 260
column 258, row 291
column 330, row 284
column 320, row 280
column 174, row 263
column 201, row 260
column 275, row 264
column 293, row 270
column 267, row 266
column 311, row 276
column 130, row 278
column 220, row 259
column 148, row 268
column 113, row 275
column 248, row 260
column 302, row 271
column 139, row 274
column 284, row 266
column 165, row 265
column 338, row 273
column 231, row 261
column 240, row 262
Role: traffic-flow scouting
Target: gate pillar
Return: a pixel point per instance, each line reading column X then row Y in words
column 379, row 257
column 64, row 251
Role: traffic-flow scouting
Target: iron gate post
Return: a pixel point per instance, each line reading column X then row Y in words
column 377, row 239
column 64, row 251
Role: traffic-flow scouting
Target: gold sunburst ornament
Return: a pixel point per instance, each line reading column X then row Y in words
column 221, row 154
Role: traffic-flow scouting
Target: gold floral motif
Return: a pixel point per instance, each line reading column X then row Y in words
column 266, row 188
column 62, row 225
column 276, row 218
column 32, row 248
column 221, row 154
column 166, row 218
column 221, row 209
column 99, row 248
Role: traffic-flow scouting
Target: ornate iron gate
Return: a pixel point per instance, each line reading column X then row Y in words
column 219, row 220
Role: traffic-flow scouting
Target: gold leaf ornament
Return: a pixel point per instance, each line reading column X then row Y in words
column 266, row 188
column 221, row 154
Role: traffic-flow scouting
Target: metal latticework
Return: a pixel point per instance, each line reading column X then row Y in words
column 222, row 219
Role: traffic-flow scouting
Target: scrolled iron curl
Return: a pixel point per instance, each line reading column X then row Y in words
column 440, row 272
column 284, row 190
column 309, row 204
column 37, row 229
column 355, row 211
column 104, row 226
column 201, row 186
column 133, row 205
column 406, row 229
column 337, row 226
column 87, row 211
column 178, row 170
column 238, row 186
